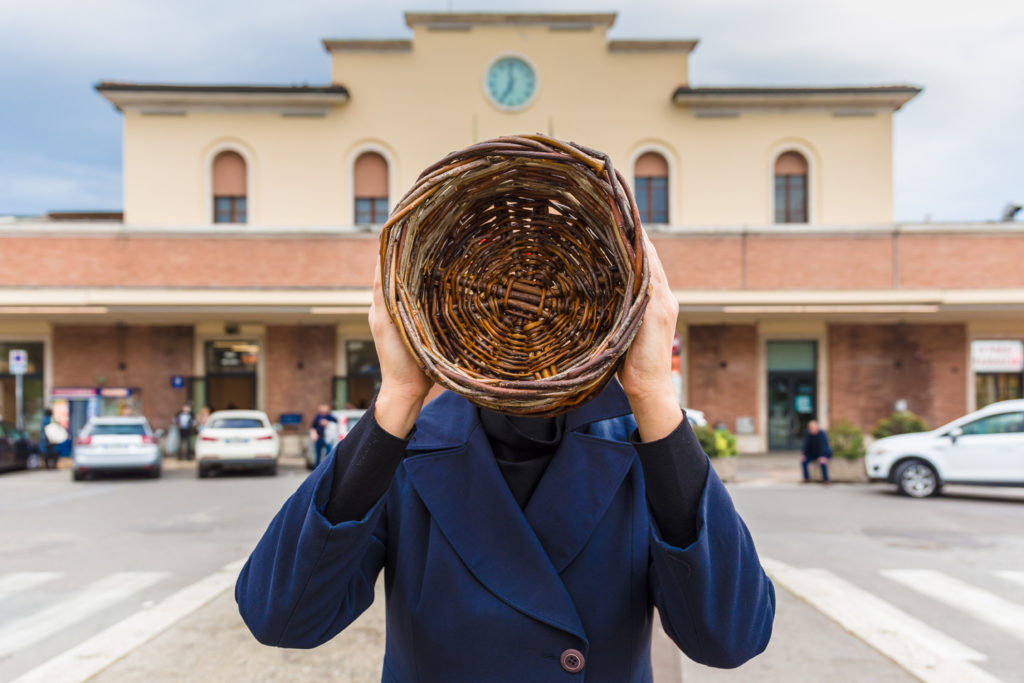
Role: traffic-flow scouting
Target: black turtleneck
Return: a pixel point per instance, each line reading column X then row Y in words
column 674, row 468
column 523, row 447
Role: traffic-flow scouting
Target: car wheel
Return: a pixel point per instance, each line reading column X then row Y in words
column 77, row 476
column 272, row 470
column 917, row 479
column 155, row 474
column 202, row 472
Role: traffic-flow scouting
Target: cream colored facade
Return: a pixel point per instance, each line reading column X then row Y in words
column 415, row 100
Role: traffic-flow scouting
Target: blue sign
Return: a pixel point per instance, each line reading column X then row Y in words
column 177, row 381
column 291, row 418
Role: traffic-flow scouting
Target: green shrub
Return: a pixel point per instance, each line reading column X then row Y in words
column 846, row 440
column 900, row 422
column 717, row 443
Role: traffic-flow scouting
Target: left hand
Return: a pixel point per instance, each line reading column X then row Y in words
column 646, row 373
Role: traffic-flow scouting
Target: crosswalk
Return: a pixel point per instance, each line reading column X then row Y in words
column 913, row 641
column 85, row 659
column 918, row 647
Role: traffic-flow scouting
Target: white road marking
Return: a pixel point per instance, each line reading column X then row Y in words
column 19, row 633
column 1011, row 575
column 979, row 603
column 928, row 654
column 89, row 658
column 23, row 581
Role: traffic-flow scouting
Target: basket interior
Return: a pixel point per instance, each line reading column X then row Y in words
column 513, row 273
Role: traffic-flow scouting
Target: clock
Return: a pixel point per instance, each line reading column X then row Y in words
column 510, row 83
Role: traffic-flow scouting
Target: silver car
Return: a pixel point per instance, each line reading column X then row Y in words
column 116, row 444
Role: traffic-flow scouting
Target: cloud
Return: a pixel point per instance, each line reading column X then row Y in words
column 957, row 147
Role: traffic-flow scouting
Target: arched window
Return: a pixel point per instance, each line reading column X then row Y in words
column 791, row 188
column 651, row 173
column 229, row 188
column 370, row 186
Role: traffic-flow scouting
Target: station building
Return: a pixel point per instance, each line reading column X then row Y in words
column 239, row 272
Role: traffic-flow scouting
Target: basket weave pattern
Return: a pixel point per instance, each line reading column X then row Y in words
column 516, row 274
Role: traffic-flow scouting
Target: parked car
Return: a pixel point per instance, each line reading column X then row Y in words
column 237, row 440
column 15, row 447
column 346, row 421
column 115, row 444
column 696, row 417
column 985, row 447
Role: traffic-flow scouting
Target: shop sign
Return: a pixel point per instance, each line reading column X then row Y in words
column 997, row 355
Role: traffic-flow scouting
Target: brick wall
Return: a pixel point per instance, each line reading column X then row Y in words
column 815, row 262
column 150, row 354
column 722, row 372
column 798, row 261
column 188, row 261
column 291, row 389
column 871, row 366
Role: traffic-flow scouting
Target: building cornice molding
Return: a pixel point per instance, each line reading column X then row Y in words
column 363, row 45
column 30, row 227
column 114, row 301
column 630, row 45
column 176, row 99
column 890, row 97
column 465, row 20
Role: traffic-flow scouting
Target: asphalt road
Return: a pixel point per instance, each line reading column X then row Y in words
column 870, row 584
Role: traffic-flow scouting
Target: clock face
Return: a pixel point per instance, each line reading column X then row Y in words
column 511, row 83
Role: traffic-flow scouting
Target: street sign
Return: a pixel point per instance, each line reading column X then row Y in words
column 177, row 381
column 17, row 365
column 17, row 361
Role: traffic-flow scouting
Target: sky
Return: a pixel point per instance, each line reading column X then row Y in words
column 958, row 148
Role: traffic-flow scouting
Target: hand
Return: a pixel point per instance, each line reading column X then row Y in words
column 403, row 386
column 646, row 373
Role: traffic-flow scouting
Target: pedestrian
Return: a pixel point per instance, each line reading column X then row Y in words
column 51, row 437
column 202, row 417
column 516, row 549
column 815, row 448
column 319, row 431
column 185, row 422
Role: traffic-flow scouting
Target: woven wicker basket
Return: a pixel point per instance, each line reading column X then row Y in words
column 516, row 272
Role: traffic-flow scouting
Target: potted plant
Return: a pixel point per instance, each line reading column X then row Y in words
column 900, row 422
column 848, row 450
column 720, row 445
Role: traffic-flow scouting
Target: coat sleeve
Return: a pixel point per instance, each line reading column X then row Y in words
column 714, row 598
column 308, row 579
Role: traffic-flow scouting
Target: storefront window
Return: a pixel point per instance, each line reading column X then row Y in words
column 356, row 389
column 998, row 370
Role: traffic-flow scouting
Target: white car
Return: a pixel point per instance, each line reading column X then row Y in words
column 346, row 421
column 696, row 417
column 115, row 444
column 985, row 447
column 237, row 440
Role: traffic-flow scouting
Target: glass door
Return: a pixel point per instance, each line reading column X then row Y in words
column 792, row 392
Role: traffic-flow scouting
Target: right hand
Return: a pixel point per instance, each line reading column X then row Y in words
column 403, row 386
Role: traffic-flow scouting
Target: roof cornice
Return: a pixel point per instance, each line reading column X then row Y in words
column 882, row 96
column 176, row 99
column 685, row 46
column 464, row 20
column 363, row 45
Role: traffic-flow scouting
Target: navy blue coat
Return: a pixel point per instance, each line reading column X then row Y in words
column 480, row 590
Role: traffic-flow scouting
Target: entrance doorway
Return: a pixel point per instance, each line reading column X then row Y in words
column 231, row 374
column 792, row 392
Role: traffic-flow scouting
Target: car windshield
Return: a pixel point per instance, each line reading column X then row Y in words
column 117, row 430
column 236, row 423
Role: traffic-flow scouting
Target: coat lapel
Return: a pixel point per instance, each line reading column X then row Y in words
column 581, row 480
column 519, row 554
column 468, row 499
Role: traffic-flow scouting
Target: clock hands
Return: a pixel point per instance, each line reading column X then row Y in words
column 511, row 81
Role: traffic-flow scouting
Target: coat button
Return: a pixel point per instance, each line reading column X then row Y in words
column 572, row 661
